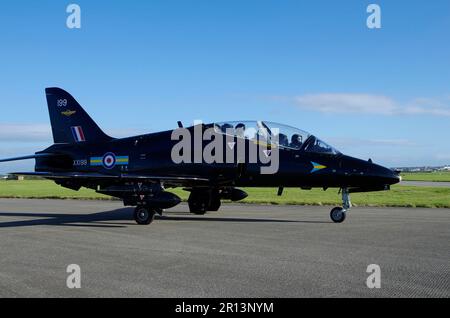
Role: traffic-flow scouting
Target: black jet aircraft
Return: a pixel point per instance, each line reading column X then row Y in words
column 139, row 170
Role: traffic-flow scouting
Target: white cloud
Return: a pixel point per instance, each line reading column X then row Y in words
column 33, row 133
column 358, row 142
column 371, row 104
column 124, row 132
column 443, row 156
column 25, row 133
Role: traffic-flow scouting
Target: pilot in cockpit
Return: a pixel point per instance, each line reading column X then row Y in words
column 283, row 140
column 296, row 141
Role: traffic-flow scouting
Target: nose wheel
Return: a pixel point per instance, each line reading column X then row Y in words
column 144, row 215
column 339, row 214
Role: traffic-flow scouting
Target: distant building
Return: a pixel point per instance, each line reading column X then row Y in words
column 422, row 169
column 9, row 177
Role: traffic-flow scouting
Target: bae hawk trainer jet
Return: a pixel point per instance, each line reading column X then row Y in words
column 139, row 170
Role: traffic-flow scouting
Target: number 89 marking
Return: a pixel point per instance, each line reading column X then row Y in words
column 61, row 102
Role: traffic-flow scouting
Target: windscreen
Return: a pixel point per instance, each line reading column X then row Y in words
column 318, row 146
column 284, row 135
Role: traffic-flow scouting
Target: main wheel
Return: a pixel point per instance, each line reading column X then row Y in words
column 337, row 215
column 198, row 203
column 144, row 215
column 198, row 207
column 215, row 203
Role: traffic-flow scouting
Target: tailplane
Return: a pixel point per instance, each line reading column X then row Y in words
column 70, row 123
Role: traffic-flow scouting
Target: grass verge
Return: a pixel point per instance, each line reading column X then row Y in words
column 399, row 196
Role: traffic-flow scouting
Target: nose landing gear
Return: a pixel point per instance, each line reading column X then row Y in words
column 338, row 214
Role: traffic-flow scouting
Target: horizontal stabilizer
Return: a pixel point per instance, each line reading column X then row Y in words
column 38, row 155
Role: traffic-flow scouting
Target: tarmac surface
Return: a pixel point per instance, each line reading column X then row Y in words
column 240, row 251
column 426, row 184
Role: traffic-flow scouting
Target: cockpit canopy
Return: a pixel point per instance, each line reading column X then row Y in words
column 283, row 135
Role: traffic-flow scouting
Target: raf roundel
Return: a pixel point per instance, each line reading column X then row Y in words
column 109, row 160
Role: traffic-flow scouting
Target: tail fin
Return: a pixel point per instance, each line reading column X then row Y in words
column 70, row 123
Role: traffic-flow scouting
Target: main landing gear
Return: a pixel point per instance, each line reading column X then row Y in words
column 202, row 201
column 338, row 214
column 198, row 202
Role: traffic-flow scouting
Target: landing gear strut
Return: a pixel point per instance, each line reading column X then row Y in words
column 338, row 214
column 144, row 215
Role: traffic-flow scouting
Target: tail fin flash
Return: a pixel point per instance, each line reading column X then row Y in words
column 70, row 123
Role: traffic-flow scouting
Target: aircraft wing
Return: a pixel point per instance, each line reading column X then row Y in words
column 173, row 180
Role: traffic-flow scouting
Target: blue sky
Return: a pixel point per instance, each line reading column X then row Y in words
column 139, row 66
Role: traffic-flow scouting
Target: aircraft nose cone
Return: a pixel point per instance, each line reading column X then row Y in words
column 391, row 176
column 396, row 177
column 368, row 173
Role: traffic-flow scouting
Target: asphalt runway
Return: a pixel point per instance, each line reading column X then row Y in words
column 240, row 251
column 426, row 184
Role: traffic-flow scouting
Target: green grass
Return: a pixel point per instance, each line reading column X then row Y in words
column 401, row 196
column 398, row 196
column 438, row 176
column 44, row 189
